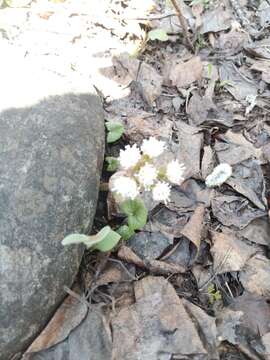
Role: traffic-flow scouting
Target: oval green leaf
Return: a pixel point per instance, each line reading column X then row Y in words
column 115, row 131
column 136, row 213
column 108, row 241
column 113, row 163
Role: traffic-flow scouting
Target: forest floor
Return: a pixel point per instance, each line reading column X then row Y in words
column 195, row 282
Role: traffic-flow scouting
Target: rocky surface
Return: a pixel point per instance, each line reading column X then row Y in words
column 51, row 155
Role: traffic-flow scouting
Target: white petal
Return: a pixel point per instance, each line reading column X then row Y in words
column 129, row 157
column 147, row 175
column 175, row 172
column 161, row 192
column 153, row 147
column 126, row 187
column 220, row 174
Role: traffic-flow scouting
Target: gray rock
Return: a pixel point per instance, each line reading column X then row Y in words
column 51, row 153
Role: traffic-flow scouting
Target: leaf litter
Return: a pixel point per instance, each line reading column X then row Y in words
column 151, row 297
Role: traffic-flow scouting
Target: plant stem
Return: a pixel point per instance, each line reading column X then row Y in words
column 183, row 23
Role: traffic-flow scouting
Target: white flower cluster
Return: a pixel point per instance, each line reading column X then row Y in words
column 219, row 175
column 138, row 172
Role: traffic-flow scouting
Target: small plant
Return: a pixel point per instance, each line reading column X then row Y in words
column 214, row 295
column 138, row 172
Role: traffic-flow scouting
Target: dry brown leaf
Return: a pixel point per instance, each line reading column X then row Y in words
column 247, row 179
column 156, row 324
column 189, row 148
column 69, row 315
column 235, row 148
column 202, row 111
column 194, row 228
column 215, row 20
column 232, row 41
column 237, row 83
column 186, row 73
column 245, row 323
column 256, row 312
column 208, row 161
column 143, row 125
column 164, row 268
column 262, row 66
column 230, row 253
column 256, row 274
column 131, row 69
column 234, row 210
column 148, row 245
column 126, row 254
column 258, row 231
column 207, row 325
column 91, row 336
column 259, row 49
column 168, row 222
column 113, row 273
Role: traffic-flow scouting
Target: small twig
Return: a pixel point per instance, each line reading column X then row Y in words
column 169, row 253
column 229, row 290
column 123, row 267
column 72, row 293
column 183, row 23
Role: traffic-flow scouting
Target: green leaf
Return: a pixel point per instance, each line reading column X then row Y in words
column 158, row 34
column 108, row 240
column 75, row 239
column 113, row 163
column 136, row 213
column 104, row 240
column 125, row 231
column 115, row 131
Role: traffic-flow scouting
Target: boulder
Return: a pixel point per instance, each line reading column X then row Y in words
column 51, row 155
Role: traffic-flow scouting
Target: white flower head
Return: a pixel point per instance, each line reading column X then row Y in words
column 220, row 174
column 175, row 172
column 129, row 157
column 161, row 192
column 147, row 175
column 125, row 187
column 153, row 147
